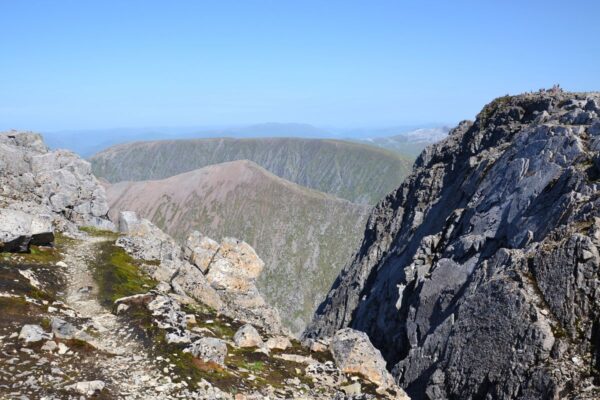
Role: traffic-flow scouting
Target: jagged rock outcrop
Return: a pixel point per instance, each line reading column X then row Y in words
column 303, row 236
column 479, row 276
column 42, row 190
column 225, row 279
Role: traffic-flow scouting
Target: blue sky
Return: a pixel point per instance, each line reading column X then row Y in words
column 105, row 64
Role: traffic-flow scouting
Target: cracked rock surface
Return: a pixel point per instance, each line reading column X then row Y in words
column 479, row 276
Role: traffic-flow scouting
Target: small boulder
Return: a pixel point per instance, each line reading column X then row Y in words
column 178, row 336
column 33, row 334
column 137, row 299
column 318, row 347
column 49, row 346
column 247, row 336
column 87, row 388
column 128, row 221
column 63, row 329
column 62, row 348
column 278, row 343
column 210, row 350
column 353, row 389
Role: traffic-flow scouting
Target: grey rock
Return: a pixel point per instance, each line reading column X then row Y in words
column 229, row 284
column 476, row 277
column 210, row 349
column 87, row 388
column 200, row 250
column 354, row 354
column 57, row 184
column 278, row 343
column 247, row 336
column 63, row 329
column 18, row 230
column 353, row 389
column 33, row 334
column 49, row 346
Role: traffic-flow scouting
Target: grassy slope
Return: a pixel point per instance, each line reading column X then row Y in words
column 353, row 171
column 303, row 236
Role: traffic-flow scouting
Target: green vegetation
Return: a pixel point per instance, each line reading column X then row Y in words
column 254, row 367
column 16, row 310
column 357, row 172
column 303, row 236
column 240, row 362
column 92, row 231
column 118, row 274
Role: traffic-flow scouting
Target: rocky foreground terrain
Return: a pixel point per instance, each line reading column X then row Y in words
column 478, row 278
column 90, row 310
column 356, row 172
column 303, row 236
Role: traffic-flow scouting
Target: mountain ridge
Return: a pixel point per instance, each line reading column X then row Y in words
column 357, row 172
column 304, row 236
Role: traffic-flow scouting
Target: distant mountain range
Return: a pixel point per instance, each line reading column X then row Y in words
column 303, row 236
column 88, row 142
column 353, row 171
column 410, row 143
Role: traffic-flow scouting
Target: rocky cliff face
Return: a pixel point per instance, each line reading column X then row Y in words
column 55, row 187
column 479, row 276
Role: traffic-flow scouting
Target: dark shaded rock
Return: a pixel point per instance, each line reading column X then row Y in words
column 478, row 277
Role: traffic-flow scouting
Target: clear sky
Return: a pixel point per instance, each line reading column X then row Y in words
column 102, row 64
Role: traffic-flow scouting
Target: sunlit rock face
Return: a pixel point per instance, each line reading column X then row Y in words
column 478, row 276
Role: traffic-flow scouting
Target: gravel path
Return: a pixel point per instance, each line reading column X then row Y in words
column 129, row 372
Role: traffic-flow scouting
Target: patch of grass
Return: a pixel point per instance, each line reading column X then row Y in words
column 38, row 255
column 118, row 274
column 45, row 323
column 81, row 346
column 254, row 367
column 41, row 255
column 15, row 311
column 90, row 230
column 222, row 326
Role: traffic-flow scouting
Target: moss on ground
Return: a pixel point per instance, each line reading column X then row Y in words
column 118, row 274
column 95, row 232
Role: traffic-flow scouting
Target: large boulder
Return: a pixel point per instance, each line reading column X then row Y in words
column 234, row 267
column 222, row 276
column 144, row 240
column 200, row 250
column 33, row 334
column 210, row 349
column 18, row 230
column 354, row 354
column 247, row 336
